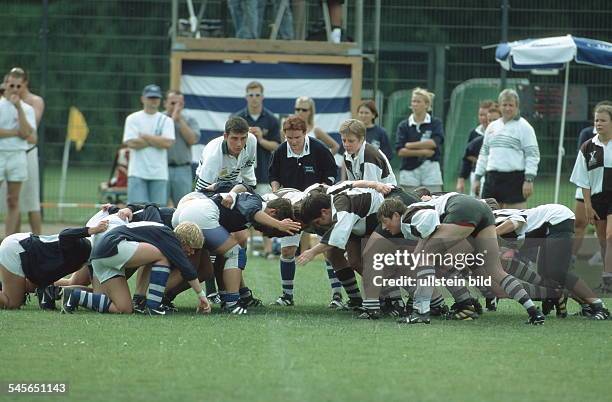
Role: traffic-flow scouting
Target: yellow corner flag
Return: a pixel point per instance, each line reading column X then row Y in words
column 77, row 128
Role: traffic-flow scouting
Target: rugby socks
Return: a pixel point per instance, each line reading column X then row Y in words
column 436, row 302
column 242, row 258
column 459, row 293
column 93, row 301
column 229, row 299
column 157, row 284
column 371, row 304
column 287, row 272
column 347, row 278
column 524, row 271
column 424, row 291
column 335, row 284
column 515, row 290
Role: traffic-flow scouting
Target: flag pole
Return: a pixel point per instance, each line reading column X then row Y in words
column 561, row 150
column 62, row 188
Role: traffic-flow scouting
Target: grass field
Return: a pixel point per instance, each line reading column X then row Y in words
column 305, row 353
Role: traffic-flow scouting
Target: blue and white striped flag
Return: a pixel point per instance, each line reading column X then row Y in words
column 214, row 90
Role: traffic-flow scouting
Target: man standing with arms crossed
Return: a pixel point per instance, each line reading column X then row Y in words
column 148, row 133
column 17, row 126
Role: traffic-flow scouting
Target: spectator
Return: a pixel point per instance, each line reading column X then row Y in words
column 149, row 134
column 285, row 29
column 509, row 156
column 247, row 16
column 335, row 17
column 590, row 174
column 17, row 127
column 418, row 141
column 263, row 125
column 375, row 135
column 467, row 165
column 186, row 134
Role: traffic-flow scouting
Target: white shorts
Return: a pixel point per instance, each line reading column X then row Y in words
column 290, row 241
column 13, row 166
column 29, row 195
column 9, row 253
column 109, row 267
column 428, row 174
column 201, row 211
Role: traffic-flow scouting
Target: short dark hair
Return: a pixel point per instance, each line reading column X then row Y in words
column 312, row 206
column 391, row 206
column 421, row 191
column 236, row 125
column 294, row 122
column 491, row 203
column 283, row 208
column 486, row 104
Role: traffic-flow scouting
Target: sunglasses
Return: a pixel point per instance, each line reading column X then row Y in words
column 252, row 95
column 15, row 86
column 301, row 109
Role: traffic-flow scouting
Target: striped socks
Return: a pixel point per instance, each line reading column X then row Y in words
column 93, row 301
column 157, row 285
column 287, row 272
column 515, row 290
column 347, row 278
column 335, row 284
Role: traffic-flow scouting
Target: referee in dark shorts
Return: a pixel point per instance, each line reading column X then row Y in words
column 509, row 156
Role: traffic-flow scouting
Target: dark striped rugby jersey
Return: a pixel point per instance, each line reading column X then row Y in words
column 593, row 167
column 353, row 212
column 369, row 164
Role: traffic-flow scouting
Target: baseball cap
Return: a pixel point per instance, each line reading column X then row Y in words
column 152, row 91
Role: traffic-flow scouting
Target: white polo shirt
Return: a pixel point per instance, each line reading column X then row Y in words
column 149, row 163
column 9, row 120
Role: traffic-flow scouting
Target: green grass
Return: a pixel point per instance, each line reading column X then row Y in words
column 306, row 353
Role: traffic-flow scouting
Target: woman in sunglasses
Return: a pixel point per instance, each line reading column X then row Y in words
column 305, row 109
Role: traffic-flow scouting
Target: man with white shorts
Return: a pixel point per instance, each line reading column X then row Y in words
column 17, row 126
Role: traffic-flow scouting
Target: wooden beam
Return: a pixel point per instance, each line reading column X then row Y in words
column 266, row 46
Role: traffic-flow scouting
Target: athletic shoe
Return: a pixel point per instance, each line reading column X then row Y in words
column 251, row 301
column 237, row 309
column 463, row 311
column 139, row 304
column 47, row 296
column 438, row 311
column 595, row 311
column 283, row 300
column 154, row 311
column 337, row 303
column 214, row 298
column 369, row 314
column 491, row 304
column 393, row 307
column 68, row 305
column 536, row 318
column 415, row 318
column 354, row 303
column 168, row 306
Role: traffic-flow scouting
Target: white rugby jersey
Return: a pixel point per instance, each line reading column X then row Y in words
column 532, row 219
column 369, row 164
column 216, row 163
column 593, row 167
column 353, row 212
column 422, row 218
column 508, row 147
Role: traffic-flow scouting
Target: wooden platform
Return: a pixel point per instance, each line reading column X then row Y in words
column 234, row 45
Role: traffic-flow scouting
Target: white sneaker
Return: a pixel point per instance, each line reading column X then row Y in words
column 336, row 35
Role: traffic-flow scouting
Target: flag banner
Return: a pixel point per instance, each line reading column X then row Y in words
column 77, row 128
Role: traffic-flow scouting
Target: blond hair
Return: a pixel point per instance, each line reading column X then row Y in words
column 189, row 234
column 428, row 96
column 354, row 127
column 311, row 105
